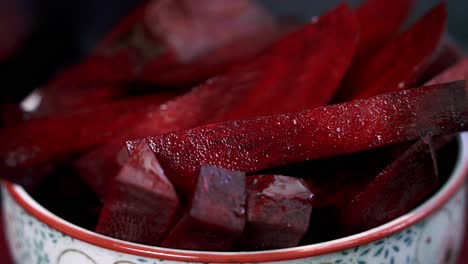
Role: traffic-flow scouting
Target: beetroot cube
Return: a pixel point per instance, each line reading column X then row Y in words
column 142, row 203
column 216, row 217
column 278, row 212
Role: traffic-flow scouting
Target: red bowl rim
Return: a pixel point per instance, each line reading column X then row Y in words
column 447, row 191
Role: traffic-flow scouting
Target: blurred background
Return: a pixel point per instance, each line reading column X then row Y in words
column 48, row 34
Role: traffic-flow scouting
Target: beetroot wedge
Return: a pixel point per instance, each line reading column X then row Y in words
column 330, row 180
column 68, row 91
column 39, row 145
column 142, row 202
column 252, row 145
column 184, row 42
column 290, row 69
column 379, row 21
column 448, row 55
column 216, row 217
column 396, row 190
column 409, row 55
column 278, row 210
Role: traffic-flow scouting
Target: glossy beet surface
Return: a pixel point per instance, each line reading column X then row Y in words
column 141, row 204
column 215, row 218
column 278, row 212
column 252, row 145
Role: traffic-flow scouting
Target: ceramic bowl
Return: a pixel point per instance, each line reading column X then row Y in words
column 431, row 233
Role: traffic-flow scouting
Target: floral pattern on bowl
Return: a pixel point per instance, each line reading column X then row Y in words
column 436, row 239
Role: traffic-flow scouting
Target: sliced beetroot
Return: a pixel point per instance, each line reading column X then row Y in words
column 97, row 170
column 66, row 92
column 397, row 189
column 379, row 21
column 142, row 203
column 206, row 36
column 183, row 42
column 330, row 180
column 297, row 66
column 400, row 63
column 294, row 68
column 100, row 165
column 193, row 27
column 253, row 145
column 448, row 55
column 37, row 146
column 278, row 210
column 216, row 217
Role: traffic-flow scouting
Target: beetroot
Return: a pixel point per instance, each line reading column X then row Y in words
column 142, row 203
column 216, row 217
column 331, row 180
column 379, row 21
column 290, row 69
column 396, row 190
column 409, row 55
column 448, row 55
column 37, row 146
column 183, row 42
column 66, row 92
column 252, row 145
column 278, row 212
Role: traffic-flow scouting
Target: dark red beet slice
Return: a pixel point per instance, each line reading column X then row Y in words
column 39, row 145
column 297, row 66
column 396, row 190
column 97, row 170
column 100, row 166
column 183, row 42
column 253, row 145
column 216, row 217
column 409, row 55
column 66, row 92
column 56, row 103
column 278, row 210
column 330, row 180
column 290, row 69
column 209, row 35
column 142, row 203
column 379, row 21
column 447, row 56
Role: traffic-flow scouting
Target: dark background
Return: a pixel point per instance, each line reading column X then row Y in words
column 62, row 32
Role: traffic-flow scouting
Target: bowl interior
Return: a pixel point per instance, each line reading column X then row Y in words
column 435, row 202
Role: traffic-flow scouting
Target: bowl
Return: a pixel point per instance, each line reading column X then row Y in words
column 431, row 233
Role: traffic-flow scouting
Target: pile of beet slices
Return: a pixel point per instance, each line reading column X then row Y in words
column 224, row 128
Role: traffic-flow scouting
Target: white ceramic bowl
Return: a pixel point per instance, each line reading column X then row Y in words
column 431, row 233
